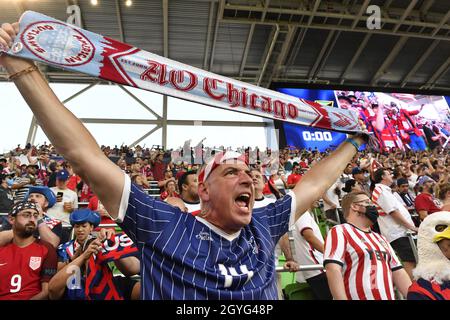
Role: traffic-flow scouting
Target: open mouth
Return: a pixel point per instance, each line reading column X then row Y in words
column 243, row 200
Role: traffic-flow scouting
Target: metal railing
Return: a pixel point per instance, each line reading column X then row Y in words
column 312, row 267
column 411, row 237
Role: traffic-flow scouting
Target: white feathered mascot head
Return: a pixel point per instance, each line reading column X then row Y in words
column 433, row 263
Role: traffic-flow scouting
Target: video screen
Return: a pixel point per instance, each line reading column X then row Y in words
column 397, row 120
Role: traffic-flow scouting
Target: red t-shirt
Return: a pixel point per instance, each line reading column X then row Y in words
column 72, row 182
column 425, row 202
column 294, row 178
column 22, row 270
column 158, row 170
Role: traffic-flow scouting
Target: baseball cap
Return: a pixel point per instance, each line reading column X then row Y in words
column 62, row 175
column 401, row 181
column 357, row 170
column 45, row 191
column 424, row 179
column 219, row 158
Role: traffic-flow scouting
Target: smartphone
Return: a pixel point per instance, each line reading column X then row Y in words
column 59, row 196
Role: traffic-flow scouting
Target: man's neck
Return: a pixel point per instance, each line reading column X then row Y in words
column 259, row 195
column 188, row 198
column 23, row 242
column 356, row 221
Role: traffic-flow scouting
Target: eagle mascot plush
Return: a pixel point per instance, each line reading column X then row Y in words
column 432, row 274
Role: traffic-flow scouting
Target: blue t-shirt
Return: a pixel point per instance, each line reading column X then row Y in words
column 185, row 258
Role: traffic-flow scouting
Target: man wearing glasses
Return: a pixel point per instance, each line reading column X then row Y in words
column 360, row 264
column 26, row 264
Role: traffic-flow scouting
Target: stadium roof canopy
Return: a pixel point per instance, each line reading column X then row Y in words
column 265, row 41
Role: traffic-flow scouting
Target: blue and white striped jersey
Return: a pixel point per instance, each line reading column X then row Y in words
column 185, row 257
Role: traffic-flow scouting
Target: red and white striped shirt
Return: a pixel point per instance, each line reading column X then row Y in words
column 367, row 262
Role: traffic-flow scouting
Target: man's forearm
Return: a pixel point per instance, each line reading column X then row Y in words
column 285, row 247
column 43, row 295
column 402, row 281
column 6, row 237
column 47, row 235
column 397, row 216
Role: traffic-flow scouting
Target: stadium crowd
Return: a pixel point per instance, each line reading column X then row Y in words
column 405, row 188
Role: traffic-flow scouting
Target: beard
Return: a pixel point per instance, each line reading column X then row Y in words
column 27, row 231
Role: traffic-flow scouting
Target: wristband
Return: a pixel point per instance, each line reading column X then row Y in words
column 354, row 143
column 22, row 72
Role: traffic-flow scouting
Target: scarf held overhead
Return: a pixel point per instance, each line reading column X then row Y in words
column 65, row 46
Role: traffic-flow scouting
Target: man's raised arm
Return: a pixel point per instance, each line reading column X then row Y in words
column 323, row 174
column 64, row 130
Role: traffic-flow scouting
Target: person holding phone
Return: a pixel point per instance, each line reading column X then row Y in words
column 66, row 202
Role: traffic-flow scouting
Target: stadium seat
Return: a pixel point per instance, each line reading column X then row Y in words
column 298, row 291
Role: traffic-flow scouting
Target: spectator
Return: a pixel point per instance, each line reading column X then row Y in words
column 294, row 177
column 159, row 167
column 279, row 181
column 352, row 247
column 432, row 275
column 283, row 243
column 73, row 179
column 54, row 167
column 6, row 197
column 188, row 187
column 331, row 205
column 23, row 182
column 66, row 199
column 309, row 248
column 48, row 229
column 170, row 190
column 362, row 179
column 425, row 202
column 405, row 196
column 96, row 281
column 394, row 220
column 96, row 205
column 444, row 195
column 27, row 264
column 351, row 186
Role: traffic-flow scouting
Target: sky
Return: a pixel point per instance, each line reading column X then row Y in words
column 109, row 101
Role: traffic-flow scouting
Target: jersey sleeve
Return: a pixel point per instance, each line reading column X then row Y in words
column 49, row 266
column 386, row 202
column 304, row 223
column 335, row 247
column 141, row 216
column 278, row 215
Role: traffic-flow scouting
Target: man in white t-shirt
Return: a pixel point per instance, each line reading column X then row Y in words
column 66, row 199
column 309, row 247
column 331, row 203
column 187, row 186
column 395, row 219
